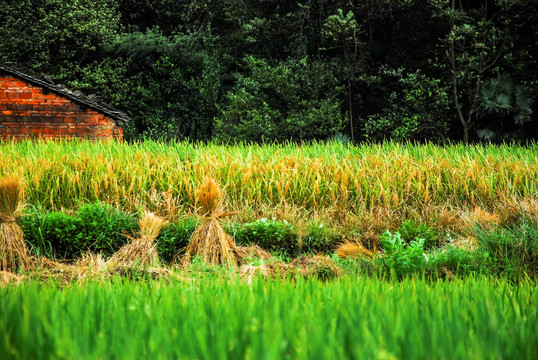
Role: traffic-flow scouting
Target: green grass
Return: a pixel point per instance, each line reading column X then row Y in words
column 224, row 318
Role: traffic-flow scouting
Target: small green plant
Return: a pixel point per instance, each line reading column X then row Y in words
column 174, row 237
column 270, row 234
column 319, row 239
column 400, row 257
column 411, row 231
column 458, row 261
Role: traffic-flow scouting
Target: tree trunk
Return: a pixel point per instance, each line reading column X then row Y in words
column 457, row 104
column 349, row 91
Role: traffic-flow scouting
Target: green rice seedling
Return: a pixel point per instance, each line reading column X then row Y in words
column 216, row 318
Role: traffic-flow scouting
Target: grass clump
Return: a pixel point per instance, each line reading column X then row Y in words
column 512, row 250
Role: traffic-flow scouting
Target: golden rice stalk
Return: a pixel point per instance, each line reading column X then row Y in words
column 483, row 218
column 529, row 208
column 143, row 250
column 210, row 197
column 451, row 218
column 513, row 209
column 13, row 251
column 11, row 193
column 352, row 249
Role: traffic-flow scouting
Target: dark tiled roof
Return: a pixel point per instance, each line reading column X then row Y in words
column 91, row 101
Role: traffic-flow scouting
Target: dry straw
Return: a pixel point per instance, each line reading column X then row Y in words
column 209, row 241
column 352, row 249
column 9, row 278
column 141, row 251
column 251, row 252
column 269, row 270
column 315, row 265
column 13, row 251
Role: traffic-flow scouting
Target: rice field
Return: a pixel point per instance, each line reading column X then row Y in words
column 265, row 309
column 328, row 180
column 358, row 318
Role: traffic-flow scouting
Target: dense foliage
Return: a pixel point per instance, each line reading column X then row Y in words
column 309, row 69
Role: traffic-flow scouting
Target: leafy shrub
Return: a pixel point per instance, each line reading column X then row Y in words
column 319, row 239
column 101, row 228
column 282, row 238
column 411, row 231
column 401, row 257
column 272, row 235
column 174, row 237
column 96, row 227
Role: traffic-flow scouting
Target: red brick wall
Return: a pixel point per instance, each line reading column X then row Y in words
column 28, row 111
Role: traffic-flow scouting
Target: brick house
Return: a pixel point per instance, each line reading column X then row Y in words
column 36, row 108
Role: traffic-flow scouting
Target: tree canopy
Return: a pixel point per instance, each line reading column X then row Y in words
column 273, row 70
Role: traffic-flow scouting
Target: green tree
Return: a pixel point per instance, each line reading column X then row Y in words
column 343, row 30
column 416, row 109
column 56, row 37
column 502, row 103
column 171, row 84
column 481, row 41
column 294, row 100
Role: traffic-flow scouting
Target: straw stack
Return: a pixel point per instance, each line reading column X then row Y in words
column 13, row 251
column 209, row 241
column 141, row 251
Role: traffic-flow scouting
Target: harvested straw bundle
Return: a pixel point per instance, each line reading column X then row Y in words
column 143, row 250
column 13, row 252
column 209, row 240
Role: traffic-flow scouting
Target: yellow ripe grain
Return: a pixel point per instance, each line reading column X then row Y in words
column 395, row 199
column 426, row 194
column 315, row 189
